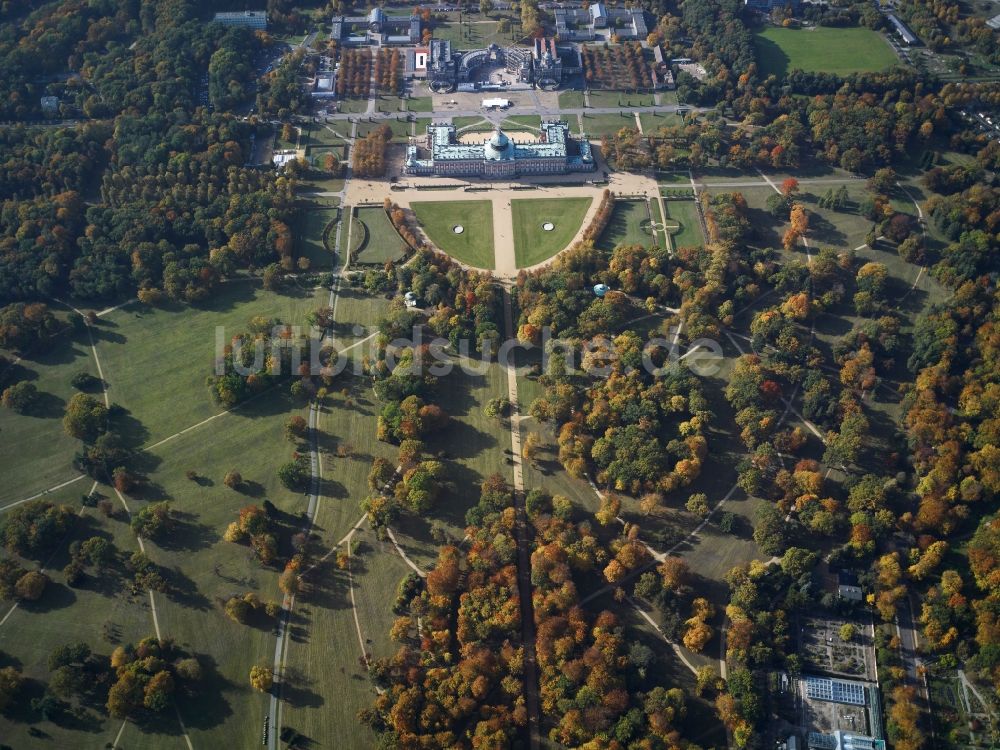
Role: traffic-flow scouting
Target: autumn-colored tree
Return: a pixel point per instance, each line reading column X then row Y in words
column 261, row 678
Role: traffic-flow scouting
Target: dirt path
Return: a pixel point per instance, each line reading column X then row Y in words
column 523, row 549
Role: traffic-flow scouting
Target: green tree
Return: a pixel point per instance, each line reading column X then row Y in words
column 85, row 417
column 10, row 682
column 20, row 396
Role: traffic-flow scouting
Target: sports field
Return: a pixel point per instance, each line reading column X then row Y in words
column 822, row 50
column 532, row 243
column 474, row 245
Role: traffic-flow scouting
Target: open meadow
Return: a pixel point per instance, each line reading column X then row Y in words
column 822, row 49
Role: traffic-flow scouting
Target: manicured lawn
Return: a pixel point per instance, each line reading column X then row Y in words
column 420, row 126
column 474, row 246
column 420, row 104
column 315, row 135
column 480, row 33
column 651, row 121
column 208, row 569
column 598, row 125
column 471, row 123
column 532, row 244
column 822, row 49
column 354, row 106
column 381, row 241
column 629, row 225
column 327, row 685
column 685, row 213
column 670, row 179
column 571, row 99
column 520, row 122
column 620, row 99
column 308, row 232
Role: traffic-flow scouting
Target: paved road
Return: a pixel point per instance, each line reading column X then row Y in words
column 628, row 113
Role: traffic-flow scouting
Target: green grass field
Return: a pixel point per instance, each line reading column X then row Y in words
column 571, row 99
column 35, row 453
column 651, row 121
column 474, row 246
column 620, row 99
column 532, row 244
column 522, row 122
column 685, row 213
column 156, row 359
column 629, row 225
column 481, row 32
column 352, row 105
column 400, row 128
column 822, row 49
column 420, row 104
column 308, row 232
column 598, row 125
column 381, row 241
column 155, row 362
column 471, row 123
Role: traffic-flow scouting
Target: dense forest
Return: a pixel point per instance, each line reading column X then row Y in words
column 150, row 195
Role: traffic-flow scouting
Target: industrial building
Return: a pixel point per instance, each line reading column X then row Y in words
column 376, row 28
column 844, row 741
column 251, row 19
column 905, row 35
column 841, row 714
column 556, row 152
column 600, row 21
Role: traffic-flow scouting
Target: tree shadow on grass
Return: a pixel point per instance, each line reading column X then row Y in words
column 55, row 597
column 231, row 295
column 764, row 227
column 58, row 712
column 187, row 534
column 131, row 430
column 101, row 333
column 332, row 488
column 821, row 227
column 208, row 707
column 327, row 586
column 277, row 401
column 773, row 59
column 46, row 406
column 463, row 440
column 297, row 694
column 184, row 591
column 15, row 372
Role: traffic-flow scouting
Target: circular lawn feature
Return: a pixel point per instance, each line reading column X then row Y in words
column 458, row 229
column 548, row 226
